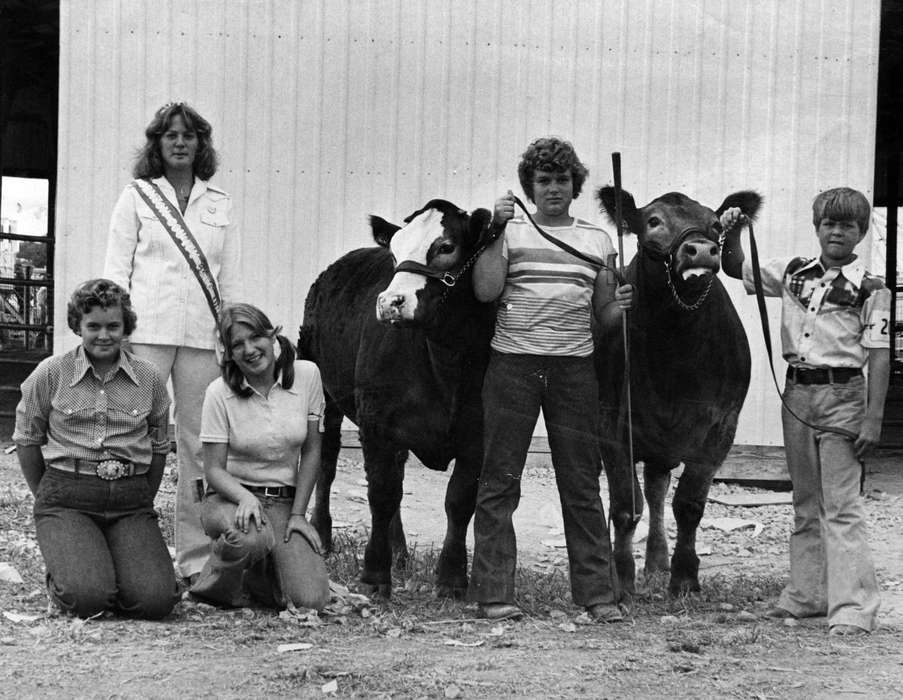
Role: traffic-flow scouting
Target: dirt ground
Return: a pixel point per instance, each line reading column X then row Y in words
column 716, row 644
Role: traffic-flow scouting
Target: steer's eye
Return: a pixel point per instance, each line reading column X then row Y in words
column 654, row 222
column 445, row 249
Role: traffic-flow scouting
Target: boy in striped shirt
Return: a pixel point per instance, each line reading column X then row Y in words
column 542, row 358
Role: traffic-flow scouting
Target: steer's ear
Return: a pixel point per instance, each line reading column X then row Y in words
column 382, row 230
column 479, row 227
column 608, row 205
column 747, row 201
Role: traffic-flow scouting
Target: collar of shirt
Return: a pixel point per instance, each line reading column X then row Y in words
column 293, row 390
column 853, row 271
column 83, row 365
column 197, row 189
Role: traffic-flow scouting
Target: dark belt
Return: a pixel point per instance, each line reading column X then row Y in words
column 822, row 375
column 107, row 469
column 273, row 491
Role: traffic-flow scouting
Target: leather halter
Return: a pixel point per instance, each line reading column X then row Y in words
column 668, row 259
column 447, row 277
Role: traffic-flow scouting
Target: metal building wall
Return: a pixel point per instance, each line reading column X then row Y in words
column 326, row 111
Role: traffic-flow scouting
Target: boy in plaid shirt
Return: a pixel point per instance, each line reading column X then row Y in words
column 835, row 318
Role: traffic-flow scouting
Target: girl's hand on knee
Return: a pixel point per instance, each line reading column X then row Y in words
column 248, row 509
column 298, row 523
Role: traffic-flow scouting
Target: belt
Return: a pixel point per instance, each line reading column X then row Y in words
column 273, row 491
column 107, row 469
column 822, row 375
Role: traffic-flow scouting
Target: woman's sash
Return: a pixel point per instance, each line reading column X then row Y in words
column 173, row 223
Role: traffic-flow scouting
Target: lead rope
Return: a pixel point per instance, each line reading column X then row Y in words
column 596, row 262
column 763, row 316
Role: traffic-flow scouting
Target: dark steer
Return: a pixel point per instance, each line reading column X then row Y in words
column 402, row 345
column 689, row 372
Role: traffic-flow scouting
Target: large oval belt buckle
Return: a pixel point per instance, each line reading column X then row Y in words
column 111, row 469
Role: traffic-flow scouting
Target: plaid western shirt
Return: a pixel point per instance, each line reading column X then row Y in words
column 78, row 414
column 829, row 318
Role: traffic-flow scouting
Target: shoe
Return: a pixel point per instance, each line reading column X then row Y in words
column 779, row 613
column 499, row 611
column 846, row 631
column 605, row 612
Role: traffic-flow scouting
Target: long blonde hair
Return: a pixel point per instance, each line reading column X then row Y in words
column 252, row 317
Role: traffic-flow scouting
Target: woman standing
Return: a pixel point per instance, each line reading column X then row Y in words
column 261, row 435
column 173, row 244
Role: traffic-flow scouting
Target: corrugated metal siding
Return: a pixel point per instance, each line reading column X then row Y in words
column 326, row 111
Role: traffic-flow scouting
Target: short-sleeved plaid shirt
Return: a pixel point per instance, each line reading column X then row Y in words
column 830, row 318
column 78, row 414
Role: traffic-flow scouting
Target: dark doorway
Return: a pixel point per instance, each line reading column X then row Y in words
column 889, row 194
column 29, row 96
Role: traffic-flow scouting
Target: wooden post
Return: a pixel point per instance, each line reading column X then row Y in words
column 892, row 199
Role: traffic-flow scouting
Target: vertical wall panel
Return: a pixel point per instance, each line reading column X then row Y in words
column 325, row 111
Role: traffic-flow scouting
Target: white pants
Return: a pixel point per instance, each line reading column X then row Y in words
column 191, row 370
column 831, row 570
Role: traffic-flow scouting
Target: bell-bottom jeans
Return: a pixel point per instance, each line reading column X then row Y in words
column 831, row 570
column 258, row 565
column 514, row 390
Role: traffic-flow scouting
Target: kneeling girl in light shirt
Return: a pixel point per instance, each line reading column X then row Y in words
column 260, row 430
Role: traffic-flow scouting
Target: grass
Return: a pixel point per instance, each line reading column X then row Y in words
column 696, row 645
column 540, row 592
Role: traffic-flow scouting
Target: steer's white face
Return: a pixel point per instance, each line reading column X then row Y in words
column 424, row 241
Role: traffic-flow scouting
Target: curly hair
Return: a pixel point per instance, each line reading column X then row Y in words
column 103, row 293
column 550, row 154
column 842, row 204
column 252, row 317
column 149, row 159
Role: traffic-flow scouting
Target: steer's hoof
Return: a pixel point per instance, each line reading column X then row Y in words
column 450, row 590
column 377, row 585
column 679, row 587
column 499, row 611
column 379, row 591
column 452, row 587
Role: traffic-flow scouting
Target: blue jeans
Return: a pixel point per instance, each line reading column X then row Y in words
column 514, row 389
column 258, row 565
column 102, row 546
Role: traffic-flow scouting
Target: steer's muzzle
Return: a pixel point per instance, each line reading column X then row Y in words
column 697, row 256
column 395, row 307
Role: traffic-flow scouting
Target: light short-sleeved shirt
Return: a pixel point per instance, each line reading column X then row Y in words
column 265, row 434
column 829, row 318
column 546, row 307
column 78, row 414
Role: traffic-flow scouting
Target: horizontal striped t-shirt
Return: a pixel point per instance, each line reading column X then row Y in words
column 546, row 306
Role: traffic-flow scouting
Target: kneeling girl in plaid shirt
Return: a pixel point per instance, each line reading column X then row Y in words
column 100, row 414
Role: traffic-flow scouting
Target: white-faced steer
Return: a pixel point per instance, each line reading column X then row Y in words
column 409, row 375
column 689, row 373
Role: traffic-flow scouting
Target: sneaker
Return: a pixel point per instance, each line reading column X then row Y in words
column 604, row 612
column 846, row 631
column 499, row 611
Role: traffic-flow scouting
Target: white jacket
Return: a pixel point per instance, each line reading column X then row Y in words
column 142, row 258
